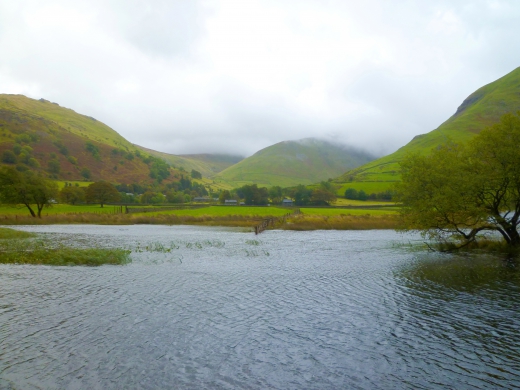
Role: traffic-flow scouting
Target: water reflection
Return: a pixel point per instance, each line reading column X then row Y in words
column 462, row 272
column 464, row 308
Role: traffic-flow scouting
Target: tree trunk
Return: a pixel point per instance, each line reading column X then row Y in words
column 510, row 235
column 30, row 210
column 514, row 237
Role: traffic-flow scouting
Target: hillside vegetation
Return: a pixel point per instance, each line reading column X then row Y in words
column 63, row 145
column 207, row 164
column 290, row 163
column 482, row 108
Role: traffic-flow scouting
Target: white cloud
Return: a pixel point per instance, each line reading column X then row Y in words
column 236, row 76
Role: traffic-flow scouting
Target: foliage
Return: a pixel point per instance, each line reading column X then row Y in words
column 102, row 192
column 26, row 188
column 275, row 194
column 351, row 193
column 93, row 149
column 460, row 191
column 253, row 195
column 61, row 147
column 8, row 157
column 301, row 195
column 85, row 172
column 72, row 195
column 54, row 166
column 196, row 174
column 223, row 196
column 322, row 197
column 150, row 197
column 159, row 170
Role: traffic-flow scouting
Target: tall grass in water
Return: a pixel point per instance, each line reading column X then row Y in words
column 341, row 222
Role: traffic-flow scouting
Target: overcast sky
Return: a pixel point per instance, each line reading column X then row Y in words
column 236, row 76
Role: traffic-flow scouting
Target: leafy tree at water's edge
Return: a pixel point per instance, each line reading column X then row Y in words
column 460, row 191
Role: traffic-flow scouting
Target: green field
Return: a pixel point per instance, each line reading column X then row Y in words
column 61, row 183
column 58, row 209
column 363, row 203
column 222, row 211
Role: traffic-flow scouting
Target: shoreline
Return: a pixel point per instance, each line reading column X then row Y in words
column 301, row 222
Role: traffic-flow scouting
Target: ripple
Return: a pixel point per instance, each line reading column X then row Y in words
column 324, row 310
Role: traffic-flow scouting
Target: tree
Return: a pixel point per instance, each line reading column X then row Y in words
column 85, row 172
column 72, row 195
column 362, row 195
column 253, row 195
column 54, row 166
column 102, row 192
column 9, row 157
column 322, row 197
column 196, row 174
column 275, row 194
column 461, row 191
column 26, row 188
column 301, row 195
column 223, row 196
column 159, row 170
column 351, row 193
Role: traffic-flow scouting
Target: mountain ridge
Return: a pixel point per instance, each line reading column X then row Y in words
column 480, row 109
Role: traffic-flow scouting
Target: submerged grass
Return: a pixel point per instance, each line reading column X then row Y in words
column 6, row 234
column 67, row 256
column 18, row 247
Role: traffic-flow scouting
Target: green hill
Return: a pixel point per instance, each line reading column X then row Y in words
column 64, row 145
column 290, row 163
column 482, row 108
column 207, row 164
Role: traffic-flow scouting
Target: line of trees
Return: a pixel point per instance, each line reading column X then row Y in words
column 353, row 194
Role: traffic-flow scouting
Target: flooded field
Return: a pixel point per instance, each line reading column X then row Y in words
column 203, row 307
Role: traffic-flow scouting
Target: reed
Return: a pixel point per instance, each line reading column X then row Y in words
column 341, row 222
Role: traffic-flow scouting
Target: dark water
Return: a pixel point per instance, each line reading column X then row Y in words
column 213, row 308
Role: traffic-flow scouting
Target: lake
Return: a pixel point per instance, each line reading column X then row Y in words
column 219, row 308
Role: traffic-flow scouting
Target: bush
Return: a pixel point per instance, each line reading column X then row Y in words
column 85, row 172
column 8, row 157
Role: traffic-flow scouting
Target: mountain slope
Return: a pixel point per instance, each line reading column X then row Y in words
column 290, row 163
column 482, row 108
column 62, row 144
column 207, row 164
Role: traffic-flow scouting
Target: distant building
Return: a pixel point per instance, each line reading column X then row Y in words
column 230, row 202
column 287, row 202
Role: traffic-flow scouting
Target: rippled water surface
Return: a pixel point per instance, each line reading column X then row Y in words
column 215, row 308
